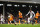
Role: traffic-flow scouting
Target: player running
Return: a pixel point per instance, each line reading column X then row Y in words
column 36, row 16
column 32, row 15
column 10, row 19
column 2, row 19
column 20, row 16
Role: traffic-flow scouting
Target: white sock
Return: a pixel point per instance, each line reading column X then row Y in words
column 10, row 21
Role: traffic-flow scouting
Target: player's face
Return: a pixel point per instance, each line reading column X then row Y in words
column 19, row 11
column 1, row 14
column 37, row 11
column 30, row 10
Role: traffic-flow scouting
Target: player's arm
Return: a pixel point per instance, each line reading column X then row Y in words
column 27, row 13
column 34, row 14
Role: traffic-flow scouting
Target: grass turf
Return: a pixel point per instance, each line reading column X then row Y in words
column 21, row 25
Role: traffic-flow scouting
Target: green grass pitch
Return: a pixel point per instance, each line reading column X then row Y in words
column 21, row 25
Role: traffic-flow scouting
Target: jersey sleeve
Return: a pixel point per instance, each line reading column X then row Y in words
column 33, row 13
column 27, row 13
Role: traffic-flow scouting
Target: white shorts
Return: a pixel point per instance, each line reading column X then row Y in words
column 2, row 19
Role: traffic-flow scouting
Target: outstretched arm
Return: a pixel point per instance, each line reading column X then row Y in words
column 27, row 13
column 34, row 14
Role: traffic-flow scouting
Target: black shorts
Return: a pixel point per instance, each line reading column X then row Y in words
column 20, row 18
column 11, row 21
column 36, row 19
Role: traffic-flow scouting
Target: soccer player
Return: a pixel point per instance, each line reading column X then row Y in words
column 2, row 19
column 10, row 19
column 32, row 15
column 36, row 16
column 20, row 16
column 39, row 19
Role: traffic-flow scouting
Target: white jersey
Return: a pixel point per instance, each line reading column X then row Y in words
column 32, row 14
column 2, row 19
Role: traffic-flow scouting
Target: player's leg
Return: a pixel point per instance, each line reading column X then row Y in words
column 35, row 21
column 19, row 21
column 14, row 20
column 1, row 22
column 28, row 20
column 32, row 21
column 10, row 21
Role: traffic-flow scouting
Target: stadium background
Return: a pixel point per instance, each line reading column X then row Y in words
column 24, row 10
column 14, row 10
